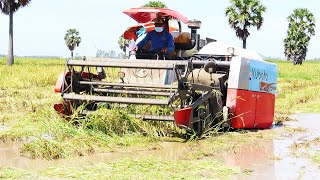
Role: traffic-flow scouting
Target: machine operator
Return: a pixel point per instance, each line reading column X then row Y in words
column 161, row 40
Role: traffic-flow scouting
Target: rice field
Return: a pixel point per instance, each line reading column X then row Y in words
column 26, row 106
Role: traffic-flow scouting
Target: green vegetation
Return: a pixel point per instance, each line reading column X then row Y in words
column 308, row 149
column 298, row 89
column 27, row 97
column 26, row 103
column 242, row 14
column 157, row 4
column 123, row 43
column 301, row 29
column 9, row 173
column 133, row 169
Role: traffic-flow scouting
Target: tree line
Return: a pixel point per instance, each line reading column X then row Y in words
column 242, row 14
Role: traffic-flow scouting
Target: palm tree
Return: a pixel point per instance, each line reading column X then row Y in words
column 242, row 15
column 9, row 7
column 158, row 4
column 72, row 39
column 301, row 29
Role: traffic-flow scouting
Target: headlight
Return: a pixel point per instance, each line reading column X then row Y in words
column 231, row 50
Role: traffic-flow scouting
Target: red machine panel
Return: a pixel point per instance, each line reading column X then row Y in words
column 250, row 109
column 242, row 106
column 264, row 110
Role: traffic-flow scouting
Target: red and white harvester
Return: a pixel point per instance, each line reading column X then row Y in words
column 204, row 83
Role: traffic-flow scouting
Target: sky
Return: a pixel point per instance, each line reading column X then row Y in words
column 39, row 29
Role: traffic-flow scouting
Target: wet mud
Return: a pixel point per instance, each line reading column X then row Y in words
column 273, row 159
column 10, row 156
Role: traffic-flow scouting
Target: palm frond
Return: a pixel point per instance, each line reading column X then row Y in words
column 242, row 14
column 300, row 30
column 157, row 4
column 72, row 39
column 8, row 6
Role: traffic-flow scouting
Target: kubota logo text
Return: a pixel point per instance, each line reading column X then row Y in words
column 259, row 74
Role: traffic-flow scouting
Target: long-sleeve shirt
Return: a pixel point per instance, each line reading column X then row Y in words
column 158, row 41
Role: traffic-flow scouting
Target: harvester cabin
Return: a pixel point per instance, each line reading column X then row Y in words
column 186, row 43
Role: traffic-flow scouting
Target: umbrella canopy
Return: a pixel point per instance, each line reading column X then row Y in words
column 146, row 14
column 132, row 32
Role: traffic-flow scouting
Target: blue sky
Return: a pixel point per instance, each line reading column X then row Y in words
column 39, row 28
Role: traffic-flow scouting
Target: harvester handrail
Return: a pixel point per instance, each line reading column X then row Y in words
column 153, row 117
column 125, row 63
column 128, row 85
column 120, row 91
column 222, row 64
column 121, row 100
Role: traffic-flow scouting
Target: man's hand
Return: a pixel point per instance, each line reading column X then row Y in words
column 164, row 50
column 135, row 48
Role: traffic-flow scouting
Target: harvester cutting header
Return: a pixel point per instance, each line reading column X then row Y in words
column 197, row 86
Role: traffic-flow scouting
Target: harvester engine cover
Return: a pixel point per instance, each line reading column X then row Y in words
column 251, row 93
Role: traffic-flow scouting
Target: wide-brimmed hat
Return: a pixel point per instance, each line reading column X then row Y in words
column 158, row 21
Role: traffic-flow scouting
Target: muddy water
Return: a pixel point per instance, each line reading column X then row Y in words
column 265, row 159
column 10, row 156
column 273, row 159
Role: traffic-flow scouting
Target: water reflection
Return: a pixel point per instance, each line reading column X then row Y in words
column 10, row 156
column 273, row 159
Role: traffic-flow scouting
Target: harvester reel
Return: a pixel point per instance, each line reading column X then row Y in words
column 175, row 85
column 72, row 85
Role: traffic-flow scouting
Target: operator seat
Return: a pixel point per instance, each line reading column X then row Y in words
column 182, row 41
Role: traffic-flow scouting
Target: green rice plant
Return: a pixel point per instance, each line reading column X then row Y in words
column 46, row 149
column 147, row 168
column 112, row 122
column 117, row 122
column 315, row 156
column 298, row 87
column 27, row 97
column 12, row 173
column 307, row 149
column 131, row 168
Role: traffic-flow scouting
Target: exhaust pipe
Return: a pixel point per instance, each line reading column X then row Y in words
column 194, row 25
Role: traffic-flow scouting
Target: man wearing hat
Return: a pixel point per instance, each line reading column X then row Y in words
column 161, row 41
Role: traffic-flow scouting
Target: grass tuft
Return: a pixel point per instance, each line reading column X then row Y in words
column 147, row 169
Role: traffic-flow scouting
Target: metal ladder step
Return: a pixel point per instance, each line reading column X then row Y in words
column 126, row 63
column 120, row 91
column 122, row 100
column 128, row 85
column 143, row 117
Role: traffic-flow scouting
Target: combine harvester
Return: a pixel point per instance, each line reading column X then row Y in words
column 205, row 84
